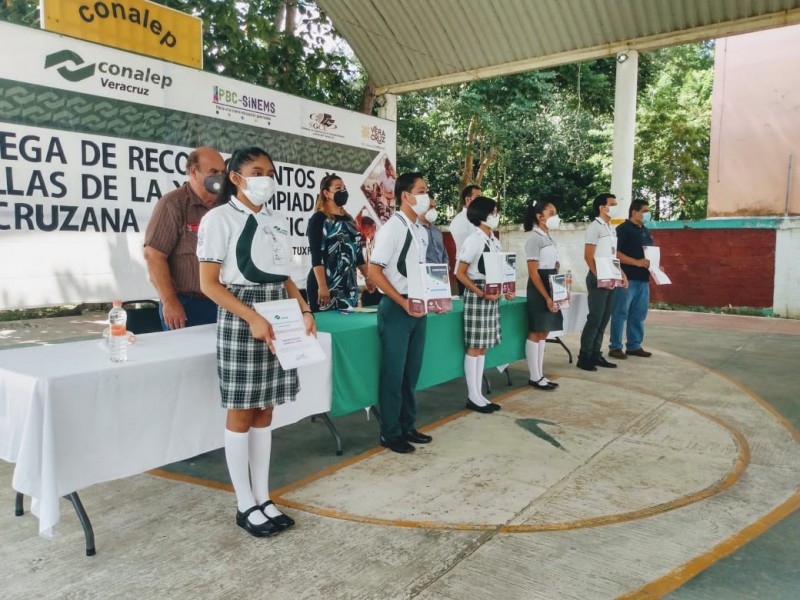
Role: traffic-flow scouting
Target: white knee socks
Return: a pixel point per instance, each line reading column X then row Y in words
column 532, row 351
column 474, row 377
column 237, row 457
column 481, row 363
column 541, row 360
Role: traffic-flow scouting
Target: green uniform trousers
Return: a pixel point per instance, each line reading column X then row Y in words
column 402, row 344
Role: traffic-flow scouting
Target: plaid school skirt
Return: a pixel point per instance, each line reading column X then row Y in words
column 250, row 376
column 481, row 320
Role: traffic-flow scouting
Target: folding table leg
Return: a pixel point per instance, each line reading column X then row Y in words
column 558, row 340
column 19, row 510
column 508, row 377
column 334, row 432
column 84, row 519
column 487, row 384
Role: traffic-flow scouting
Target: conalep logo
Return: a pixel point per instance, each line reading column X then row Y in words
column 72, row 70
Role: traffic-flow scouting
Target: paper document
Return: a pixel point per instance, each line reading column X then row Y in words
column 653, row 254
column 494, row 264
column 509, row 272
column 293, row 347
column 609, row 274
column 559, row 291
column 429, row 288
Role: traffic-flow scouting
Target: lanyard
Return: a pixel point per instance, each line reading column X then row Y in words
column 411, row 229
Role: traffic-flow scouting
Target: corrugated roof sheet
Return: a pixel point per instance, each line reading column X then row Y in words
column 414, row 44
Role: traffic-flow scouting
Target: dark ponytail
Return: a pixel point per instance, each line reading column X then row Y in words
column 532, row 214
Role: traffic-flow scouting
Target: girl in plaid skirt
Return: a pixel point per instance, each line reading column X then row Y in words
column 541, row 254
column 481, row 313
column 244, row 254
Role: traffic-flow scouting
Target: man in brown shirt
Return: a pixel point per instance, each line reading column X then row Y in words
column 170, row 242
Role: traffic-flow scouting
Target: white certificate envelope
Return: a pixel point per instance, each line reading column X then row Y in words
column 609, row 274
column 559, row 292
column 293, row 347
column 653, row 254
column 495, row 265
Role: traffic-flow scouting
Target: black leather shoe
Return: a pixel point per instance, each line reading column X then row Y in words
column 481, row 409
column 417, row 437
column 398, row 445
column 493, row 406
column 552, row 383
column 282, row 521
column 639, row 352
column 264, row 530
column 602, row 362
column 541, row 385
column 586, row 364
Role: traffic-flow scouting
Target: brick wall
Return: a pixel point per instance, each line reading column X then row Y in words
column 717, row 267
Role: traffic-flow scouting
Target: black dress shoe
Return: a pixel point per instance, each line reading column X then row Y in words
column 398, row 445
column 602, row 362
column 282, row 521
column 417, row 437
column 264, row 530
column 552, row 383
column 587, row 364
column 541, row 385
column 493, row 406
column 481, row 409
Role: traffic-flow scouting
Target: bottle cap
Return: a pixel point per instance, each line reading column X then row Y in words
column 116, row 303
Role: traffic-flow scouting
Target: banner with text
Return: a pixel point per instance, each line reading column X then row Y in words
column 91, row 137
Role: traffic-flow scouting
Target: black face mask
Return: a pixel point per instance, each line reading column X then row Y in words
column 340, row 197
column 214, row 183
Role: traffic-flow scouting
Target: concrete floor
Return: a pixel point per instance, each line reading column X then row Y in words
column 446, row 528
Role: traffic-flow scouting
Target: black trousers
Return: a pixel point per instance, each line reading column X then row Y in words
column 601, row 302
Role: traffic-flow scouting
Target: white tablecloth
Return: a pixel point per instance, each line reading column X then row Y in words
column 70, row 418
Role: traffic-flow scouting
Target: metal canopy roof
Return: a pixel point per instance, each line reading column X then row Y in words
column 408, row 45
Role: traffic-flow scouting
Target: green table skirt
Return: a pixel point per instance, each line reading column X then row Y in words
column 357, row 351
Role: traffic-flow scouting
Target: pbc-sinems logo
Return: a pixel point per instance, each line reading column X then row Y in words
column 231, row 99
column 374, row 134
column 321, row 122
column 72, row 67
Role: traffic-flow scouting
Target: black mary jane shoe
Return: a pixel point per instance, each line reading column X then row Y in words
column 540, row 385
column 264, row 530
column 281, row 521
column 417, row 437
column 481, row 409
column 551, row 383
column 495, row 407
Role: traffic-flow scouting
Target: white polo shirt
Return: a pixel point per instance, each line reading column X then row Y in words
column 399, row 243
column 472, row 251
column 460, row 228
column 603, row 237
column 251, row 247
column 541, row 248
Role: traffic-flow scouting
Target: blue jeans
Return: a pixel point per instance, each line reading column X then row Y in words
column 199, row 311
column 630, row 305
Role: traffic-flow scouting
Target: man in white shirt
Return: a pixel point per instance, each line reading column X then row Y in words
column 601, row 242
column 400, row 245
column 460, row 227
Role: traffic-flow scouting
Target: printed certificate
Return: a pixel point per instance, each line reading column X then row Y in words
column 293, row 347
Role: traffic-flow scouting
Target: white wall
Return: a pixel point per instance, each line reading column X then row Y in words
column 570, row 241
column 786, row 302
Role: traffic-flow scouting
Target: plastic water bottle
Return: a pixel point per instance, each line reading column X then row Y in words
column 568, row 281
column 118, row 332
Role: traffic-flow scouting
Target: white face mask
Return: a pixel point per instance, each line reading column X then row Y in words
column 422, row 205
column 260, row 189
column 553, row 222
column 613, row 212
column 431, row 215
column 493, row 221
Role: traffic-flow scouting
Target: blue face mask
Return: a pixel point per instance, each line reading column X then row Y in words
column 646, row 217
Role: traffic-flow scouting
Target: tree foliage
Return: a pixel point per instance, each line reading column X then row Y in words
column 547, row 135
